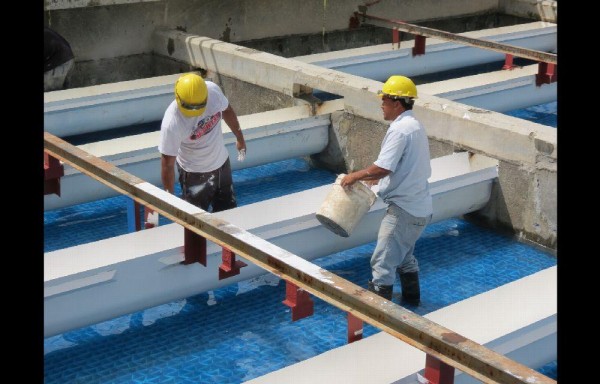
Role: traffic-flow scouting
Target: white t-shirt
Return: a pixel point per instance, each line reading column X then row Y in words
column 196, row 141
column 405, row 152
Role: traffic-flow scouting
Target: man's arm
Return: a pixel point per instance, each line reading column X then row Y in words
column 371, row 173
column 231, row 119
column 167, row 172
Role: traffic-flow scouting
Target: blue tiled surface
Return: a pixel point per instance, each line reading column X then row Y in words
column 550, row 370
column 545, row 114
column 106, row 218
column 243, row 331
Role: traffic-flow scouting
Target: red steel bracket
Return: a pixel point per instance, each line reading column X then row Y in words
column 299, row 301
column 230, row 266
column 508, row 62
column 419, row 48
column 395, row 38
column 546, row 74
column 438, row 372
column 133, row 216
column 194, row 248
column 355, row 328
column 53, row 171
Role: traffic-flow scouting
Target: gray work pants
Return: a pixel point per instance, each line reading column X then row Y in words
column 398, row 233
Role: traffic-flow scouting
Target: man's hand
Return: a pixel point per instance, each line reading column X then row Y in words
column 348, row 180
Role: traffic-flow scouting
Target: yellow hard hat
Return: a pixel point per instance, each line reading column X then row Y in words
column 398, row 86
column 191, row 94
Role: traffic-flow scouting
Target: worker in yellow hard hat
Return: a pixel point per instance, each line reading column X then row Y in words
column 191, row 139
column 401, row 171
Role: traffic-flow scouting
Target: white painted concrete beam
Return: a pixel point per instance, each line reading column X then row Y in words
column 82, row 110
column 142, row 269
column 499, row 91
column 378, row 62
column 270, row 136
column 517, row 320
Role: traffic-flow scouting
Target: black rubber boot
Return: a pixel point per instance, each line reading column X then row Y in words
column 384, row 291
column 411, row 291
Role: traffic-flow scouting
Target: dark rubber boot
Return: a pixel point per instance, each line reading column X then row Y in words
column 384, row 291
column 411, row 291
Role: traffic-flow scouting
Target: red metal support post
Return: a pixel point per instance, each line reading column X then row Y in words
column 230, row 266
column 508, row 62
column 355, row 328
column 438, row 372
column 395, row 38
column 546, row 74
column 299, row 301
column 194, row 248
column 419, row 48
column 53, row 171
column 134, row 223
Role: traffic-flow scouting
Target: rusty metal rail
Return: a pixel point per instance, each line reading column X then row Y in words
column 480, row 43
column 433, row 339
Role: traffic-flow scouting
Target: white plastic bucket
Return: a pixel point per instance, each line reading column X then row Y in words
column 343, row 208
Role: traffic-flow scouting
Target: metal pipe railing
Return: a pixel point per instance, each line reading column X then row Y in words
column 435, row 340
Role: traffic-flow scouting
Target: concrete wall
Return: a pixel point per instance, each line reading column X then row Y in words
column 103, row 33
column 525, row 196
column 131, row 22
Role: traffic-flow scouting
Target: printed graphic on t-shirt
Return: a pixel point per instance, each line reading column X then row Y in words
column 205, row 125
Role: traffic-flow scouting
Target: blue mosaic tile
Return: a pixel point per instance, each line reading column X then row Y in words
column 550, row 370
column 249, row 334
column 545, row 114
column 102, row 219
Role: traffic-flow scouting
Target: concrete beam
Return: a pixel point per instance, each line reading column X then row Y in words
column 499, row 91
column 113, row 267
column 270, row 136
column 82, row 110
column 380, row 61
column 465, row 40
column 524, row 329
column 287, row 76
column 494, row 134
column 283, row 75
